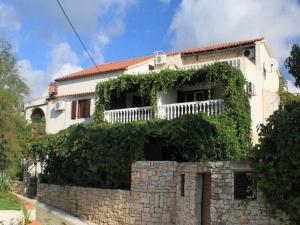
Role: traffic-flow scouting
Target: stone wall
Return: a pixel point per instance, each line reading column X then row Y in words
column 153, row 190
column 224, row 209
column 101, row 206
column 18, row 187
column 27, row 189
column 156, row 197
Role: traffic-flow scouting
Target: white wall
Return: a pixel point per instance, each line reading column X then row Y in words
column 271, row 82
column 253, row 74
column 58, row 120
column 140, row 68
column 263, row 103
column 84, row 84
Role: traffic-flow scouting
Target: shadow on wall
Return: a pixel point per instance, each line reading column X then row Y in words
column 54, row 113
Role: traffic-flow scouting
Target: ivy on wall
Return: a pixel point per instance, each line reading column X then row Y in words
column 100, row 154
column 231, row 79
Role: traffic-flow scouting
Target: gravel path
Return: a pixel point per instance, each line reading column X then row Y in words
column 47, row 218
column 49, row 215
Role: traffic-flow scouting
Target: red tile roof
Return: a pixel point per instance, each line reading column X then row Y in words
column 103, row 68
column 219, row 46
column 122, row 65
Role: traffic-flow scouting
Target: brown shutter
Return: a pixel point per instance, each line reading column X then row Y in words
column 73, row 112
column 88, row 108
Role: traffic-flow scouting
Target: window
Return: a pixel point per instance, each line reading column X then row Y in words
column 244, row 186
column 189, row 97
column 137, row 101
column 81, row 109
column 193, row 96
column 201, row 95
column 151, row 67
column 182, row 184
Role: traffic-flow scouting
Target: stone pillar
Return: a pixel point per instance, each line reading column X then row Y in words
column 153, row 190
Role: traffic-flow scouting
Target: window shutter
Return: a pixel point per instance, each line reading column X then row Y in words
column 73, row 111
column 87, row 108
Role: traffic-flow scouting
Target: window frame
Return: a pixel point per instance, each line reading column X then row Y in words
column 77, row 112
column 253, row 197
column 195, row 92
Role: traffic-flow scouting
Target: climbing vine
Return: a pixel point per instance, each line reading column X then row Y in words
column 149, row 85
column 102, row 153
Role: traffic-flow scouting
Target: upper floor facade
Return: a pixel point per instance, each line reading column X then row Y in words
column 71, row 97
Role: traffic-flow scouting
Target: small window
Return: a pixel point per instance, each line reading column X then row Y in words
column 192, row 96
column 189, row 97
column 84, row 108
column 182, row 184
column 201, row 96
column 81, row 109
column 151, row 67
column 244, row 186
column 137, row 101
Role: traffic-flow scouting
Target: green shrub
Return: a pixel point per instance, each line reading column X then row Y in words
column 276, row 161
column 9, row 202
column 103, row 154
column 4, row 182
column 148, row 85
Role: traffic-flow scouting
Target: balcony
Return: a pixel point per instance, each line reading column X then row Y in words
column 236, row 62
column 166, row 111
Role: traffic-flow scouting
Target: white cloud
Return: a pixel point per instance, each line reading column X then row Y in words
column 35, row 79
column 292, row 88
column 92, row 19
column 200, row 22
column 8, row 18
column 63, row 60
column 97, row 22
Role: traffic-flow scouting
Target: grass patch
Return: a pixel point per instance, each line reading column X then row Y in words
column 9, row 202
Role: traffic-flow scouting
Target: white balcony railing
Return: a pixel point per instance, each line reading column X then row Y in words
column 128, row 115
column 168, row 111
column 211, row 108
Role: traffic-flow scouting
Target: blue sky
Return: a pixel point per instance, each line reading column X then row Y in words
column 112, row 30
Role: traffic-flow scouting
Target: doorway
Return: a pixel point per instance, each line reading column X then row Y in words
column 203, row 196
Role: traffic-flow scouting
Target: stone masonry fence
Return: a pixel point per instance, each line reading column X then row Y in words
column 167, row 193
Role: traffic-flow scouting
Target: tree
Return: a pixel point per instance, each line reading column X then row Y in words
column 292, row 63
column 12, row 93
column 276, row 161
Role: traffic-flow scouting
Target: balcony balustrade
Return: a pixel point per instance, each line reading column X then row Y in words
column 166, row 111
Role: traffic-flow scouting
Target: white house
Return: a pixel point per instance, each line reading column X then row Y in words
column 71, row 97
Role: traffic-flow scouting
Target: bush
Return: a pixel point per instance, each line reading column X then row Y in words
column 4, row 182
column 149, row 85
column 101, row 154
column 89, row 155
column 276, row 161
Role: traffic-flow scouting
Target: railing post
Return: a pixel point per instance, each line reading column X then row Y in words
column 107, row 117
column 159, row 109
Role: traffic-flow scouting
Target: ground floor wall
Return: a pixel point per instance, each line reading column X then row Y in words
column 167, row 193
column 27, row 188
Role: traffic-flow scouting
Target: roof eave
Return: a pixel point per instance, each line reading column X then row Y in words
column 88, row 75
